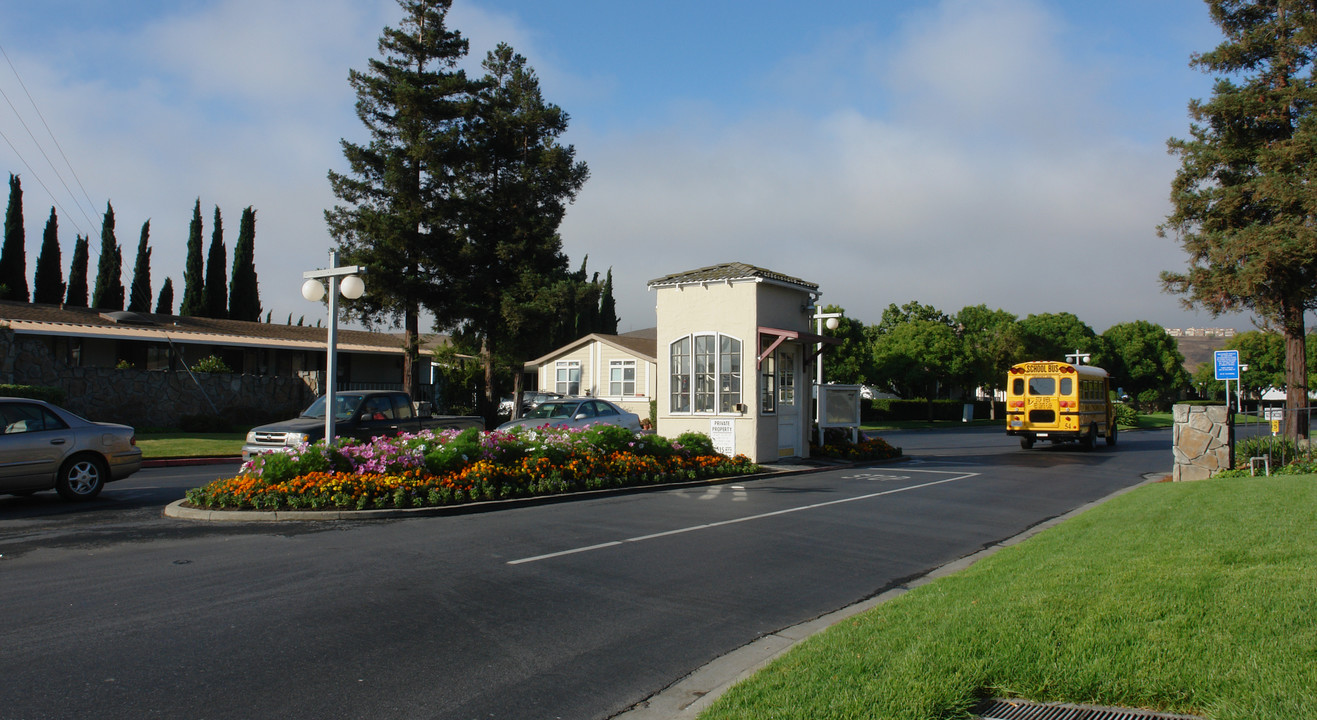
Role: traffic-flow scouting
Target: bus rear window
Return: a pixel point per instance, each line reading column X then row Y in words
column 1067, row 386
column 1017, row 386
column 1042, row 386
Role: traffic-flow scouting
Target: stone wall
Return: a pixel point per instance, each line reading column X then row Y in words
column 1201, row 441
column 154, row 399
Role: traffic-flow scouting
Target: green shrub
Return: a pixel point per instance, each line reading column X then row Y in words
column 211, row 364
column 1126, row 416
column 1280, row 451
column 695, row 443
column 51, row 395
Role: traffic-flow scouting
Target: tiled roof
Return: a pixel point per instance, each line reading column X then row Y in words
column 61, row 320
column 728, row 272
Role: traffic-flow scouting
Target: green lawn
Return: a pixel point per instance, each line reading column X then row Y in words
column 1185, row 597
column 157, row 446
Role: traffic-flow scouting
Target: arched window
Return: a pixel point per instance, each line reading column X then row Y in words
column 706, row 373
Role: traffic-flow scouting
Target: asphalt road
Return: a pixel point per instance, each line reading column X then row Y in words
column 572, row 610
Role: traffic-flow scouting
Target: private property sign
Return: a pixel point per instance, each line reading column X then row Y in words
column 722, row 431
column 1227, row 364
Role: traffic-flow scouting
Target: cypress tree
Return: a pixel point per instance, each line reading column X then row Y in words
column 244, row 300
column 217, row 295
column 139, row 298
column 77, row 296
column 165, row 304
column 48, row 285
column 13, row 256
column 194, row 273
column 108, row 293
column 607, row 307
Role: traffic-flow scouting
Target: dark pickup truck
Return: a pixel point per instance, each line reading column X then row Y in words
column 361, row 414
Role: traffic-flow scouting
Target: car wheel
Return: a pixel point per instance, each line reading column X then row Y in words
column 1111, row 436
column 1026, row 443
column 81, row 478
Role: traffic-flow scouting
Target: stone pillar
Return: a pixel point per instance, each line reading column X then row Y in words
column 1201, row 441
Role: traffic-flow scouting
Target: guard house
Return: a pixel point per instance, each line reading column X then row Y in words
column 734, row 345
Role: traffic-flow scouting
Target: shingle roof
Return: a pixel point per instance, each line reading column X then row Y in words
column 729, row 272
column 58, row 319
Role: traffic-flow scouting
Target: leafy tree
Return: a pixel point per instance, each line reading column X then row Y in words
column 217, row 262
column 852, row 362
column 993, row 342
column 13, row 255
column 1053, row 336
column 164, row 304
column 48, row 285
column 397, row 216
column 909, row 312
column 194, row 273
column 139, row 297
column 919, row 358
column 1242, row 196
column 1145, row 361
column 77, row 289
column 108, row 294
column 244, row 300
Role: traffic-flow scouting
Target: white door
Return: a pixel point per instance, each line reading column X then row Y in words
column 788, row 405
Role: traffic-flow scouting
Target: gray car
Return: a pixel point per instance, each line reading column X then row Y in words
column 44, row 447
column 576, row 412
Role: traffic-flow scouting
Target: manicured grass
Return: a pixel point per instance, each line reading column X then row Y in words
column 157, row 446
column 1185, row 598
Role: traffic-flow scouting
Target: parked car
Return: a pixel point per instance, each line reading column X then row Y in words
column 46, row 447
column 360, row 414
column 575, row 412
column 529, row 399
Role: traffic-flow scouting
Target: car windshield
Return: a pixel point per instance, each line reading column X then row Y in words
column 552, row 410
column 344, row 406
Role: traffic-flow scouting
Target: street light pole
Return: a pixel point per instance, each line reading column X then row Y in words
column 833, row 321
column 343, row 280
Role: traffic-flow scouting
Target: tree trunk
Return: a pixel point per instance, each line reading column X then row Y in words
column 518, row 382
column 1296, row 374
column 411, row 367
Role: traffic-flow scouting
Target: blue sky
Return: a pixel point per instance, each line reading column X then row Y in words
column 953, row 152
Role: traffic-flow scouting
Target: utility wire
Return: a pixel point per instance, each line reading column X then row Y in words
column 40, row 181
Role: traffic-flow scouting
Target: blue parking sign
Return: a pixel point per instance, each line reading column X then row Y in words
column 1227, row 364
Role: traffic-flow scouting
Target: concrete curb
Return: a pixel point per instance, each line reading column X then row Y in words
column 184, row 462
column 688, row 697
column 179, row 511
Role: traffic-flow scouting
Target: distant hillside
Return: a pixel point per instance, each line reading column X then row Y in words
column 1198, row 350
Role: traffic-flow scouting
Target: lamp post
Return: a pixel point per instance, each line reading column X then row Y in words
column 343, row 280
column 832, row 320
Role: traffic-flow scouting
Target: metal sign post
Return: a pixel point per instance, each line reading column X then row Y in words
column 1227, row 369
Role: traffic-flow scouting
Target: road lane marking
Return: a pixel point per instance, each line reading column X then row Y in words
column 775, row 513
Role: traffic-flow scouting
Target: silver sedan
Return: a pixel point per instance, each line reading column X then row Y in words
column 576, row 412
column 44, row 447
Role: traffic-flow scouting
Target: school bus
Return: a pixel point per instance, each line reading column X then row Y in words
column 1059, row 402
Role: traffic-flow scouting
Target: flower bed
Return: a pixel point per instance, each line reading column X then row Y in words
column 839, row 445
column 430, row 469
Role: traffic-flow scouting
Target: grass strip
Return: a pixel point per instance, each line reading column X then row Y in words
column 1196, row 598
column 156, row 446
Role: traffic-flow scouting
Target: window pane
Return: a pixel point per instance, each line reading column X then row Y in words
column 681, row 375
column 705, row 365
column 1067, row 386
column 1042, row 386
column 729, row 378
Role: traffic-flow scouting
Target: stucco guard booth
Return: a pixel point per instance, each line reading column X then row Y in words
column 734, row 349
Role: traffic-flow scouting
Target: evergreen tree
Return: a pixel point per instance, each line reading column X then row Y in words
column 139, row 297
column 194, row 273
column 48, row 285
column 244, row 300
column 13, row 255
column 397, row 216
column 607, row 307
column 1242, row 196
column 164, row 304
column 217, row 262
column 77, row 290
column 108, row 293
column 516, row 188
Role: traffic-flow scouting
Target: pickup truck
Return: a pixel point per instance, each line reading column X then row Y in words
column 361, row 414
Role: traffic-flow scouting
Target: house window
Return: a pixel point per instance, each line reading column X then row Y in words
column 706, row 373
column 786, row 379
column 622, row 378
column 568, row 380
column 768, row 384
column 681, row 375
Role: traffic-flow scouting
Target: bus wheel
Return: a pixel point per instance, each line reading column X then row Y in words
column 1026, row 443
column 1087, row 441
column 1111, row 436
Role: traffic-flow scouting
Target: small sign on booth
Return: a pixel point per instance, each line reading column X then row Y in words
column 722, row 431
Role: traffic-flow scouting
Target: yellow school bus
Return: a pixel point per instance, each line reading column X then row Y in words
column 1059, row 402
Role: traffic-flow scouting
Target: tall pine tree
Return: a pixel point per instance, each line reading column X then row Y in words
column 244, row 300
column 194, row 273
column 217, row 265
column 48, row 285
column 1243, row 209
column 13, row 255
column 139, row 297
column 77, row 290
column 396, row 216
column 164, row 305
column 108, row 292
